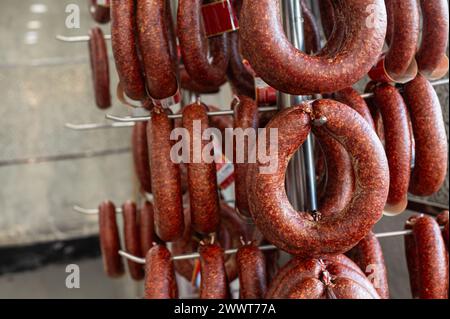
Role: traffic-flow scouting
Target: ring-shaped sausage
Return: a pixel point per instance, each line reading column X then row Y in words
column 291, row 71
column 206, row 67
column 297, row 232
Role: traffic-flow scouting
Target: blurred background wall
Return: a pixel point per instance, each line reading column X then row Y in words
column 44, row 84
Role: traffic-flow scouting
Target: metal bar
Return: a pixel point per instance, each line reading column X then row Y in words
column 263, row 248
column 96, row 126
column 129, row 119
column 78, row 38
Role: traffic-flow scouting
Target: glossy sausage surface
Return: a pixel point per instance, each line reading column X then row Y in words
column 291, row 71
column 100, row 68
column 160, row 281
column 166, row 180
column 431, row 148
column 397, row 143
column 125, row 50
column 109, row 240
column 297, row 232
column 132, row 238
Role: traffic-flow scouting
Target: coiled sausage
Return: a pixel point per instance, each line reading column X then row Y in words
column 431, row 148
column 291, row 71
column 109, row 240
column 202, row 179
column 203, row 67
column 351, row 97
column 160, row 281
column 166, row 180
column 297, row 232
column 132, row 238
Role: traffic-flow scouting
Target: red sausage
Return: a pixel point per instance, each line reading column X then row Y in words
column 399, row 61
column 141, row 156
column 160, row 281
column 202, row 179
column 297, row 232
column 109, row 240
column 188, row 84
column 240, row 78
column 291, row 71
column 442, row 220
column 431, row 58
column 351, row 97
column 206, row 68
column 332, row 277
column 368, row 255
column 146, row 227
column 246, row 118
column 166, row 180
column 160, row 62
column 310, row 30
column 124, row 45
column 397, row 143
column 252, row 272
column 100, row 68
column 214, row 283
column 431, row 148
column 427, row 259
column 132, row 238
column 100, row 11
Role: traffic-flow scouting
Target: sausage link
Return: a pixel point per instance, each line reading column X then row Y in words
column 203, row 67
column 351, row 97
column 160, row 280
column 109, row 240
column 146, row 227
column 431, row 148
column 442, row 220
column 291, row 71
column 100, row 12
column 100, row 68
column 431, row 58
column 141, row 156
column 166, row 180
column 132, row 238
column 160, row 63
column 397, row 143
column 252, row 272
column 340, row 181
column 246, row 117
column 214, row 283
column 311, row 30
column 188, row 84
column 368, row 255
column 297, row 232
column 332, row 277
column 240, row 78
column 427, row 259
column 399, row 61
column 327, row 17
column 202, row 179
column 124, row 45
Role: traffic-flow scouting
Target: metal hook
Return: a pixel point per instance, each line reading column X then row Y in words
column 78, row 38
